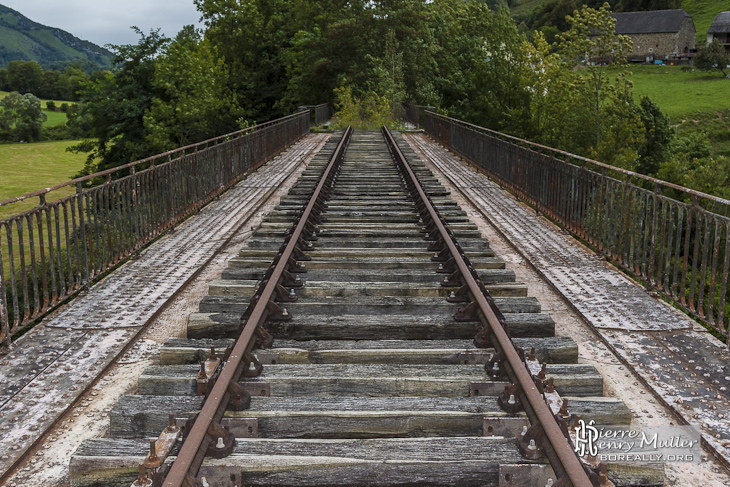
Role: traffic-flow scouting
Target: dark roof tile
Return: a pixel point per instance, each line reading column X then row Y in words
column 720, row 24
column 653, row 21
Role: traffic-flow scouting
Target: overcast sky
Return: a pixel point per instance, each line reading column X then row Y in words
column 108, row 21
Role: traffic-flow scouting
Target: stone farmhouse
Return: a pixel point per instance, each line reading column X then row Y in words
column 720, row 30
column 658, row 34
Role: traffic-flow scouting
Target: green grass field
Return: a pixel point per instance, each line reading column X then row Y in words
column 694, row 100
column 25, row 168
column 681, row 93
column 54, row 118
column 28, row 167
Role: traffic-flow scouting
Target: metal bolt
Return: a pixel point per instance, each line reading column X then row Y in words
column 292, row 293
column 285, row 312
column 524, row 428
column 512, row 401
column 220, row 445
column 452, row 295
column 532, row 445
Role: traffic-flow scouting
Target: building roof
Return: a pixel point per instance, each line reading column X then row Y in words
column 720, row 24
column 650, row 22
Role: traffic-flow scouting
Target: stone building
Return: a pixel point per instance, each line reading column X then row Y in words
column 658, row 34
column 720, row 30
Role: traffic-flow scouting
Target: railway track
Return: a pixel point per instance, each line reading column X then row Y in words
column 390, row 364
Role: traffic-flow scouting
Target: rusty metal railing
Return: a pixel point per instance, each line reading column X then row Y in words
column 319, row 113
column 58, row 248
column 674, row 238
column 415, row 113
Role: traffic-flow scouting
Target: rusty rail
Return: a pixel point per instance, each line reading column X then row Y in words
column 558, row 449
column 52, row 251
column 674, row 238
column 191, row 455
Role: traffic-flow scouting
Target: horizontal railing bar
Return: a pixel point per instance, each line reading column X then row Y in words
column 72, row 182
column 500, row 135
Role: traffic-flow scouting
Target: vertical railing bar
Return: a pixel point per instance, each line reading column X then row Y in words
column 33, row 267
column 723, row 293
column 54, row 292
column 701, row 306
column 81, row 235
column 681, row 209
column 61, row 272
column 668, row 260
column 712, row 293
column 699, row 220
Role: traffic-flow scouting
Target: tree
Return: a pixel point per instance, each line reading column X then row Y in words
column 592, row 42
column 191, row 101
column 713, row 56
column 22, row 116
column 548, row 86
column 25, row 77
column 656, row 148
column 117, row 105
column 391, row 70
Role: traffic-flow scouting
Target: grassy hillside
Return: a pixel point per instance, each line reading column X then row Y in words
column 681, row 93
column 29, row 167
column 703, row 12
column 694, row 100
column 23, row 39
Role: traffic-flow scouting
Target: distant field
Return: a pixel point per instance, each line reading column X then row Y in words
column 28, row 167
column 682, row 93
column 694, row 100
column 54, row 118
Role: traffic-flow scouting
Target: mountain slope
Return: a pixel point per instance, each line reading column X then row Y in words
column 23, row 39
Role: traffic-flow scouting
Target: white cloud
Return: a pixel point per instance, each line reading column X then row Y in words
column 108, row 21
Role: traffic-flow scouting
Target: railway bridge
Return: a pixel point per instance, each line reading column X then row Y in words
column 441, row 306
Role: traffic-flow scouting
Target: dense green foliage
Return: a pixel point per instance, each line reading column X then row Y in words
column 713, row 56
column 259, row 59
column 29, row 77
column 21, row 117
column 23, row 39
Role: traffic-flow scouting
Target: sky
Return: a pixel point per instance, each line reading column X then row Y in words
column 109, row 21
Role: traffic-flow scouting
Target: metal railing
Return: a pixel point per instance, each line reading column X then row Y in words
column 319, row 113
column 415, row 113
column 56, row 249
column 674, row 238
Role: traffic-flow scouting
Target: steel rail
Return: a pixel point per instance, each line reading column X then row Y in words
column 564, row 460
column 191, row 453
